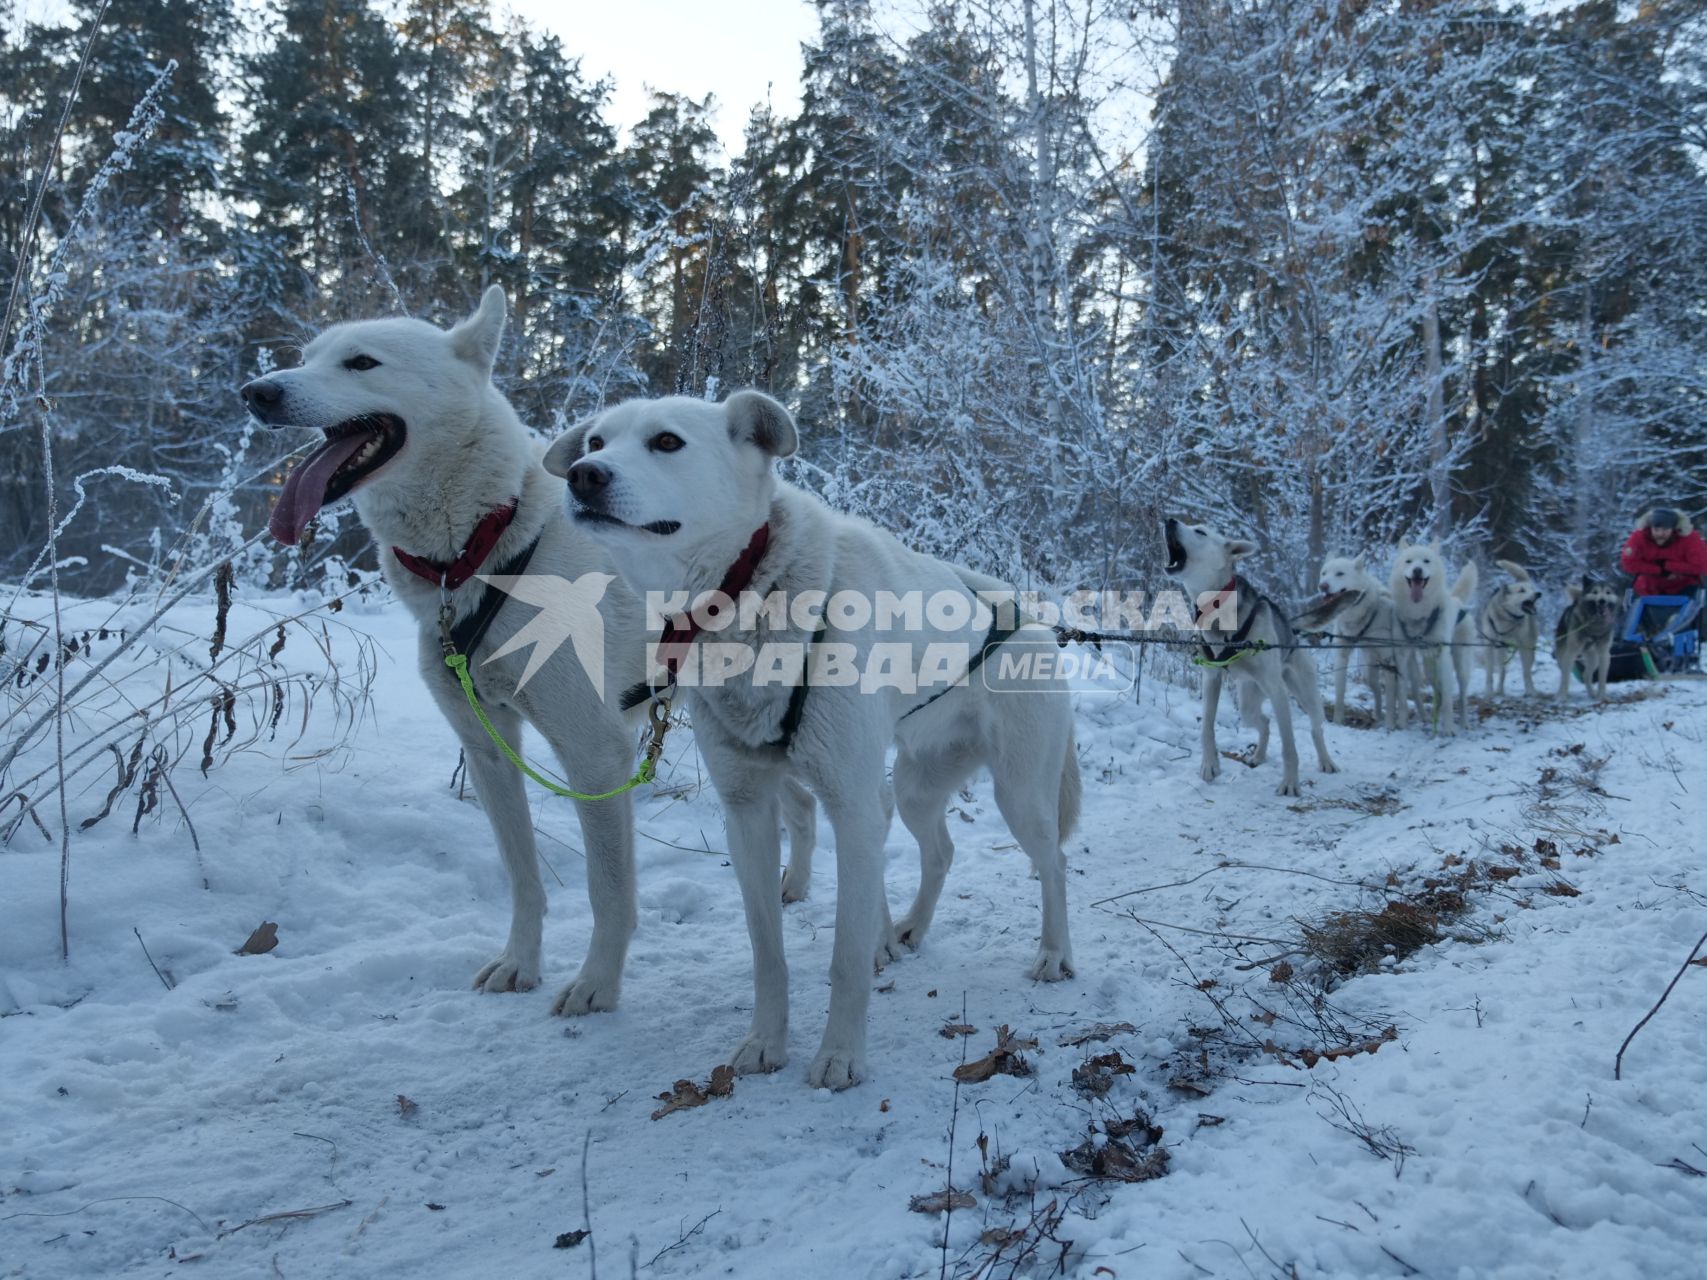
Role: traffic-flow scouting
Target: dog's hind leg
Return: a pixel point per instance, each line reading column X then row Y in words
column 800, row 817
column 1301, row 676
column 1027, row 787
column 1527, row 654
column 1274, row 685
column 1342, row 669
column 1210, row 765
column 1251, row 714
column 924, row 781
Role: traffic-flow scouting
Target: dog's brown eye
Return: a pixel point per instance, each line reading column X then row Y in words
column 595, row 443
column 361, row 364
column 666, row 442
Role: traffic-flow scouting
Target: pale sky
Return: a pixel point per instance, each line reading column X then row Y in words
column 744, row 51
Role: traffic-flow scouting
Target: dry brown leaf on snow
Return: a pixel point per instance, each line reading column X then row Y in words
column 685, row 1093
column 942, row 1201
column 950, row 1030
column 1101, row 1031
column 263, row 940
column 406, row 1106
column 1005, row 1059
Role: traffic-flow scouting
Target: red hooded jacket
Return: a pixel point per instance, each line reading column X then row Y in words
column 1675, row 569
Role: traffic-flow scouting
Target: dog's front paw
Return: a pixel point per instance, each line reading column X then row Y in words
column 834, row 1069
column 1209, row 769
column 1289, row 787
column 795, row 882
column 507, row 973
column 1328, row 766
column 589, row 993
column 1051, row 965
column 759, row 1054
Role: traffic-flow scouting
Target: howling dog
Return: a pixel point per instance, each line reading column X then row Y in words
column 683, row 494
column 1357, row 612
column 449, row 482
column 1509, row 621
column 1584, row 633
column 1435, row 623
column 1255, row 648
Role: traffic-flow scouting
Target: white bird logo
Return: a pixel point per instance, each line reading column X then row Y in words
column 567, row 611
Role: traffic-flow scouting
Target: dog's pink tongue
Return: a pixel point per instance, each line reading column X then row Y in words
column 305, row 488
column 1417, row 585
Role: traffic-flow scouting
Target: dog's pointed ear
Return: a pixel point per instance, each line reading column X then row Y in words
column 1237, row 548
column 756, row 418
column 566, row 449
column 476, row 338
column 1360, row 564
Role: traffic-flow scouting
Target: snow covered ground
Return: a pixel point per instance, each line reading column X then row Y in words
column 345, row 1106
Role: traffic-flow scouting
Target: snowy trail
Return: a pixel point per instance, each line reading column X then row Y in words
column 262, row 1085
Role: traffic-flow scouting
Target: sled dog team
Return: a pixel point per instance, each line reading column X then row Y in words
column 675, row 497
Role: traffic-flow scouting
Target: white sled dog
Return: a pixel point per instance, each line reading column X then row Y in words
column 1355, row 609
column 1436, row 631
column 1509, row 620
column 1253, row 649
column 683, row 493
column 1584, row 634
column 448, row 480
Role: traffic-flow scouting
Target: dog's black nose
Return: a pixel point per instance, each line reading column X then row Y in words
column 262, row 398
column 587, row 478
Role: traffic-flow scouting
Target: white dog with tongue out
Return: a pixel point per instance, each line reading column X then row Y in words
column 449, row 481
column 1429, row 620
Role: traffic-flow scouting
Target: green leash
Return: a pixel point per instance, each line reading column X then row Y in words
column 660, row 714
column 1256, row 646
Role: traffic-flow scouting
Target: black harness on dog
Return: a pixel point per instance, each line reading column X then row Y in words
column 1420, row 632
column 1499, row 637
column 467, row 634
column 1239, row 642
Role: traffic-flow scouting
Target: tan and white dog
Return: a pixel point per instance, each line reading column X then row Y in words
column 1436, row 631
column 1509, row 620
column 440, row 468
column 683, row 494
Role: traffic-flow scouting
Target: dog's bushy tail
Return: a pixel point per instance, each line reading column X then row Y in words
column 1072, row 790
column 1516, row 570
column 1465, row 587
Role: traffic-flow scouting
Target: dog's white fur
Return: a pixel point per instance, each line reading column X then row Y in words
column 719, row 487
column 1436, row 630
column 1585, row 630
column 1356, row 610
column 467, row 452
column 1510, row 620
column 1210, row 560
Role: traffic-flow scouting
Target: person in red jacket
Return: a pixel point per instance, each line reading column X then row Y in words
column 1666, row 554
